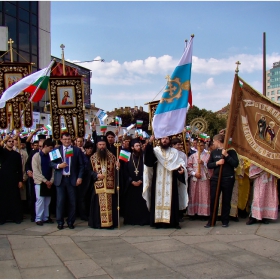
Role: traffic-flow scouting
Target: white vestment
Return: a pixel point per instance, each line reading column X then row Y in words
column 167, row 161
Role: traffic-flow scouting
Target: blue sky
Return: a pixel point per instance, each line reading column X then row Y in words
column 142, row 42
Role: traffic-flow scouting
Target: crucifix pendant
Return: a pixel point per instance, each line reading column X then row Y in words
column 103, row 169
column 136, row 172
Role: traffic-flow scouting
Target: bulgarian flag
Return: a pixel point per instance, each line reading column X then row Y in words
column 86, row 121
column 117, row 120
column 44, row 128
column 35, row 83
column 124, row 155
column 49, row 127
column 69, row 152
column 103, row 126
column 139, row 123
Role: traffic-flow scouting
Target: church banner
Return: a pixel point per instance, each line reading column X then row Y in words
column 66, row 103
column 10, row 115
column 253, row 127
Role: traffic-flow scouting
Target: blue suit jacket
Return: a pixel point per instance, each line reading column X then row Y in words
column 76, row 166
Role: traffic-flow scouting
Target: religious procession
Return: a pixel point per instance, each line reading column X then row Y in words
column 116, row 178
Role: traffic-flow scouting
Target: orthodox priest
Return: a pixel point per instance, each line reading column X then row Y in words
column 135, row 211
column 163, row 167
column 11, row 179
column 103, row 206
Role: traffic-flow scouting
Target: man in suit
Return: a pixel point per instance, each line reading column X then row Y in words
column 68, row 175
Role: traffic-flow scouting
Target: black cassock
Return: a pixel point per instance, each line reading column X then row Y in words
column 10, row 176
column 151, row 161
column 135, row 207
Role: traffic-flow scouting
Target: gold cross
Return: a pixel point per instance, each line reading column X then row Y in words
column 10, row 42
column 237, row 64
column 136, row 172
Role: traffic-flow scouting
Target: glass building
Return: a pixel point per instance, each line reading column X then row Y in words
column 273, row 82
column 28, row 25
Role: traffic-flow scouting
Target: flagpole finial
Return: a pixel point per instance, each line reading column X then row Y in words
column 192, row 35
column 237, row 69
column 62, row 57
column 186, row 40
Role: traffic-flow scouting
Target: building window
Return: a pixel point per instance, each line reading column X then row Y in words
column 278, row 91
column 268, row 94
column 272, row 93
column 272, row 98
column 278, row 98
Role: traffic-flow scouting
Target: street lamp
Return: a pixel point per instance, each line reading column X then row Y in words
column 101, row 60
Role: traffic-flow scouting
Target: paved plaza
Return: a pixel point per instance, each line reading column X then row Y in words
column 239, row 251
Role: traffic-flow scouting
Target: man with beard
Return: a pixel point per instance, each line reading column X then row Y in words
column 163, row 168
column 11, row 179
column 31, row 196
column 103, row 207
column 135, row 208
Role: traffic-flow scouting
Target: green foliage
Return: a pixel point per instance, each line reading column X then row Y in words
column 215, row 123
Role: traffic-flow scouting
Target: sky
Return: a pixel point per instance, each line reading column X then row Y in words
column 142, row 42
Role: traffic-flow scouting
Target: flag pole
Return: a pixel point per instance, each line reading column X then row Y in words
column 34, row 93
column 264, row 64
column 117, row 144
column 214, row 214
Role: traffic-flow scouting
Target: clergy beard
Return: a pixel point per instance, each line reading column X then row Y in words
column 164, row 146
column 136, row 153
column 102, row 154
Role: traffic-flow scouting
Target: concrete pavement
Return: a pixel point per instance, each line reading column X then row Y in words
column 239, row 251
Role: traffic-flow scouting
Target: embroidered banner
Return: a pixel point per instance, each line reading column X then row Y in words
column 253, row 127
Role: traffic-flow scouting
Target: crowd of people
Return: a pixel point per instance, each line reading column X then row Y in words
column 159, row 184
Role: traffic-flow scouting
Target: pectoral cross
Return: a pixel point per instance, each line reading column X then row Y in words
column 136, row 171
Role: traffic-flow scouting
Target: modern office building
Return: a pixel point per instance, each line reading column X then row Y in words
column 273, row 82
column 28, row 25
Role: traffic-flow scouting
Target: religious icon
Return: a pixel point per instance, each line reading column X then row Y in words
column 262, row 127
column 269, row 132
column 11, row 79
column 66, row 97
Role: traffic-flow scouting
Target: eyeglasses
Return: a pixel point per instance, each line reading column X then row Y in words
column 10, row 141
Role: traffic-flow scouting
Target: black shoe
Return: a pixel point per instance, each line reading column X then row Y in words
column 110, row 228
column 70, row 226
column 2, row 223
column 208, row 225
column 49, row 221
column 18, row 222
column 32, row 220
column 192, row 218
column 60, row 227
column 84, row 219
column 251, row 221
column 265, row 221
column 225, row 225
column 178, row 227
column 39, row 223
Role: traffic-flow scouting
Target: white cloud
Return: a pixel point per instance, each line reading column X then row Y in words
column 131, row 81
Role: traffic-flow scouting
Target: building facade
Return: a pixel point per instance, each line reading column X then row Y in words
column 29, row 27
column 273, row 83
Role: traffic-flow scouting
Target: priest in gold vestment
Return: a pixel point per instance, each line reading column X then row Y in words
column 103, row 208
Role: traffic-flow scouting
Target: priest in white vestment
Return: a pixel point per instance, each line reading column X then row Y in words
column 163, row 168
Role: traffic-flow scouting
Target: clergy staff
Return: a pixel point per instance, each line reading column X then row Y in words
column 135, row 208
